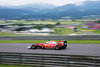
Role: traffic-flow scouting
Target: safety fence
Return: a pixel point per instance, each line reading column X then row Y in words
column 49, row 60
column 78, row 37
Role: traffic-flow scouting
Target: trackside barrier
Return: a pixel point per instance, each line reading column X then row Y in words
column 79, row 37
column 49, row 60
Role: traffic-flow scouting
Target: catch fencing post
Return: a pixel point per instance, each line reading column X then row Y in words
column 96, row 62
column 0, row 59
column 20, row 59
column 41, row 61
column 67, row 60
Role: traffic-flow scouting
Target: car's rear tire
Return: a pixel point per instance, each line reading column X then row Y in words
column 57, row 47
column 64, row 47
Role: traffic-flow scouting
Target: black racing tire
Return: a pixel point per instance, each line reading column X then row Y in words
column 65, row 43
column 33, row 47
column 64, row 47
column 57, row 47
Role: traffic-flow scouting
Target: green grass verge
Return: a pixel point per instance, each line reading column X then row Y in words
column 80, row 27
column 7, row 65
column 97, row 31
column 9, row 34
column 43, row 41
column 65, row 31
column 42, row 22
column 14, row 34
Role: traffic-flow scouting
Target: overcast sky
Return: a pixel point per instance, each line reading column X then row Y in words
column 55, row 2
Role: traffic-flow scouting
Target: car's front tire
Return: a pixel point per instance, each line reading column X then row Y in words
column 57, row 47
column 33, row 47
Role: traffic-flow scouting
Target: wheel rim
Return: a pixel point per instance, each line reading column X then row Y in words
column 57, row 47
column 33, row 46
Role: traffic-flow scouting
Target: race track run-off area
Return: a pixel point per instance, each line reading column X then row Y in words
column 72, row 49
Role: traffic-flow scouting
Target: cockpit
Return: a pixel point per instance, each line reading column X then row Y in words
column 51, row 42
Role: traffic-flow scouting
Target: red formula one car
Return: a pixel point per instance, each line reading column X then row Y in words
column 50, row 44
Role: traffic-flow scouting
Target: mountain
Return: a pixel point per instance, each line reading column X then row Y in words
column 91, row 5
column 28, row 11
column 13, row 13
column 89, row 9
column 3, row 7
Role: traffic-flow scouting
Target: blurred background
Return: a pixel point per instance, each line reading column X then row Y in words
column 47, row 18
column 26, row 22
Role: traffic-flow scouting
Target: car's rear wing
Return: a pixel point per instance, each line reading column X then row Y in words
column 62, row 42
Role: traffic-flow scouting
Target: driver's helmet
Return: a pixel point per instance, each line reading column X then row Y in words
column 47, row 42
column 53, row 42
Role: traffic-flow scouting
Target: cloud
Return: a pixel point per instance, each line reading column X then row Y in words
column 62, row 2
column 13, row 2
column 55, row 2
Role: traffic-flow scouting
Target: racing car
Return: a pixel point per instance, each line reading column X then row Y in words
column 49, row 44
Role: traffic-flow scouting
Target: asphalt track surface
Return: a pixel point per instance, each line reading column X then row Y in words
column 72, row 49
